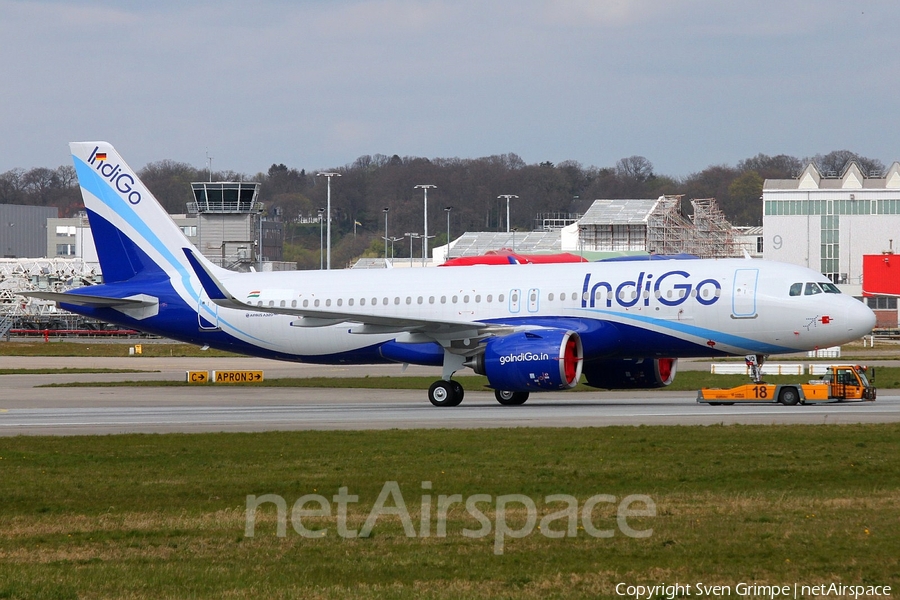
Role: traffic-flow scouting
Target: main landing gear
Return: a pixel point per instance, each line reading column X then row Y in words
column 450, row 393
column 507, row 398
column 446, row 393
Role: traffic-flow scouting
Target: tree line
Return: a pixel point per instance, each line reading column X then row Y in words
column 470, row 186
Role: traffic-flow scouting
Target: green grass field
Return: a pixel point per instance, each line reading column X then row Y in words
column 163, row 516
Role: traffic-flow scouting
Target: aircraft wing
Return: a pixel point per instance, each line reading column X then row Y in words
column 366, row 323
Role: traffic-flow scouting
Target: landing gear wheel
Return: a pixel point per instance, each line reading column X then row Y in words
column 458, row 391
column 789, row 396
column 507, row 398
column 443, row 393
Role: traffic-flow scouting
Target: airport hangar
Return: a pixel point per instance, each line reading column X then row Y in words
column 829, row 222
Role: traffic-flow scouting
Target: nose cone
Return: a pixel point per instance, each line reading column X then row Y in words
column 859, row 318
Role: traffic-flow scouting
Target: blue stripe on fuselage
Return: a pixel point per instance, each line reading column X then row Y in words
column 719, row 337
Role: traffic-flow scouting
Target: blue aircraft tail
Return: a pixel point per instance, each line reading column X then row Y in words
column 133, row 234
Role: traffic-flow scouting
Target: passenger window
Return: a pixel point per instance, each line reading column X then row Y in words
column 796, row 289
column 812, row 289
column 550, row 296
column 500, row 298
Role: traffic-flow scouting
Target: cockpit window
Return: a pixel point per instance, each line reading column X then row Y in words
column 812, row 289
column 796, row 289
column 830, row 288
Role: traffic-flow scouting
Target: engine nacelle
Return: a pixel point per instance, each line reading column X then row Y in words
column 631, row 373
column 528, row 361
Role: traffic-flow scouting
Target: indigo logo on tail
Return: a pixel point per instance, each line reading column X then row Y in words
column 122, row 181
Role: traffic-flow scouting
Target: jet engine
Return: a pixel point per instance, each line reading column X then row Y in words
column 631, row 373
column 538, row 360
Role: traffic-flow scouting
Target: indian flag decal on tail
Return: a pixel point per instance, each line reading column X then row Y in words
column 253, row 294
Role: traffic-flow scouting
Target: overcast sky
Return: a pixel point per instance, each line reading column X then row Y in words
column 316, row 84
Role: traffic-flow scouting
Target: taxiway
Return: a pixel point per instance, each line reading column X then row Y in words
column 29, row 410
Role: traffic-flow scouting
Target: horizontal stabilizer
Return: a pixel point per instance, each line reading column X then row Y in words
column 93, row 301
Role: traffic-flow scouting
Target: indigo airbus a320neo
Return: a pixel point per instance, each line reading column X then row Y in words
column 528, row 328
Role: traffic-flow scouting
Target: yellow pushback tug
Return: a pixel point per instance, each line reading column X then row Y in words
column 841, row 383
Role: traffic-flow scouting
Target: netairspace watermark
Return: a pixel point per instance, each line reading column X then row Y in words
column 390, row 502
column 750, row 590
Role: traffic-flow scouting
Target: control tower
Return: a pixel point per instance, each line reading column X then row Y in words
column 231, row 229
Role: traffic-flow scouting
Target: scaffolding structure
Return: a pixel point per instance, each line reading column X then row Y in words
column 668, row 231
column 44, row 275
column 659, row 227
column 713, row 233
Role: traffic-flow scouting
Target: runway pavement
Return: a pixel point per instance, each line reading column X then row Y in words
column 29, row 410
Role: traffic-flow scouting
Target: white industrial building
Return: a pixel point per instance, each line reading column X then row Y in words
column 620, row 227
column 829, row 223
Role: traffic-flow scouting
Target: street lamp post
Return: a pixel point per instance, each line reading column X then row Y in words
column 425, row 187
column 447, row 210
column 412, row 236
column 425, row 243
column 328, row 227
column 385, row 211
column 507, row 196
column 321, row 249
column 392, row 240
